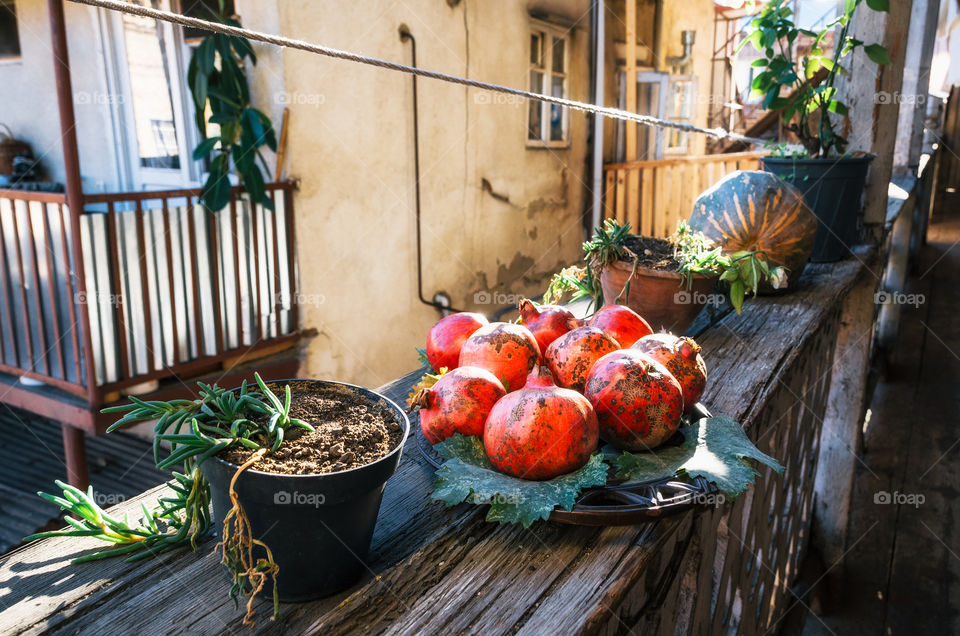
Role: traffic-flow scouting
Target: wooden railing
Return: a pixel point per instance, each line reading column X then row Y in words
column 653, row 195
column 170, row 287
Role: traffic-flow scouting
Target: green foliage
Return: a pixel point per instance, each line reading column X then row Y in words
column 195, row 430
column 714, row 448
column 807, row 114
column 696, row 254
column 468, row 475
column 216, row 77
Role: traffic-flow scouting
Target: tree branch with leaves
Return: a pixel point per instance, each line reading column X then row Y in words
column 218, row 85
column 807, row 113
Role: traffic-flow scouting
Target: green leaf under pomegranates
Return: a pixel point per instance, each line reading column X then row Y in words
column 714, row 448
column 468, row 476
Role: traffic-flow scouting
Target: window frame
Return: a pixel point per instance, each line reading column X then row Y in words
column 18, row 57
column 191, row 173
column 683, row 148
column 552, row 32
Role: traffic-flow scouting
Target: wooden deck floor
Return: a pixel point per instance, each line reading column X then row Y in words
column 903, row 560
column 31, row 458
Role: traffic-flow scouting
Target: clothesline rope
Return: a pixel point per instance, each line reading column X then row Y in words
column 277, row 40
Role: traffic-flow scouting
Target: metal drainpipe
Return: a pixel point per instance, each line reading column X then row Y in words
column 441, row 301
column 599, row 83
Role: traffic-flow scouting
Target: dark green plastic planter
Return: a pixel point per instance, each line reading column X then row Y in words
column 318, row 527
column 833, row 188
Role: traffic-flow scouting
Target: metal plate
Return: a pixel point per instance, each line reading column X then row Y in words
column 621, row 505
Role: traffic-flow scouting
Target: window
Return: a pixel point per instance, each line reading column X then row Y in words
column 154, row 112
column 680, row 108
column 9, row 37
column 547, row 123
column 651, row 98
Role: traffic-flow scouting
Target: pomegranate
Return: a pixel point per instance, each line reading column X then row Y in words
column 637, row 401
column 622, row 323
column 448, row 335
column 546, row 323
column 458, row 402
column 571, row 355
column 506, row 350
column 540, row 431
column 681, row 356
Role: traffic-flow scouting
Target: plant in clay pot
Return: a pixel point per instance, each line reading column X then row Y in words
column 291, row 473
column 666, row 281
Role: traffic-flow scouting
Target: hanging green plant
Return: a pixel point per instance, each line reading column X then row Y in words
column 218, row 82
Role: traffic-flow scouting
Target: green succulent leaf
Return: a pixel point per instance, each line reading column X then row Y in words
column 468, row 476
column 714, row 448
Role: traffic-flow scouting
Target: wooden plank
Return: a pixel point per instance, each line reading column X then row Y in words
column 142, row 258
column 660, row 200
column 609, row 196
column 119, row 298
column 71, row 298
column 646, row 204
column 621, row 197
column 630, row 79
column 29, row 363
column 633, row 199
column 677, row 188
column 686, row 159
column 766, row 368
column 52, row 278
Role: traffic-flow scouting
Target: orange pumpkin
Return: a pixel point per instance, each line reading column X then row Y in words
column 751, row 210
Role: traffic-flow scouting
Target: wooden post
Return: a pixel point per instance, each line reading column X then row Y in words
column 869, row 92
column 72, row 438
column 630, row 81
column 840, row 438
column 916, row 84
column 75, row 451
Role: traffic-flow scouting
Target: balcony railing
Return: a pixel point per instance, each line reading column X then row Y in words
column 171, row 288
column 653, row 195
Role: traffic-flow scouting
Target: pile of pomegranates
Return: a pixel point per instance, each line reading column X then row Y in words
column 544, row 392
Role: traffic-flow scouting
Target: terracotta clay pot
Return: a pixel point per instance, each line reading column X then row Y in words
column 660, row 297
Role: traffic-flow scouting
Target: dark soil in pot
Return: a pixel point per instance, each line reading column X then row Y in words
column 315, row 500
column 657, row 291
column 350, row 432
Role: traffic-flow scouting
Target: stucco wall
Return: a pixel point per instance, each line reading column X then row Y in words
column 29, row 106
column 351, row 146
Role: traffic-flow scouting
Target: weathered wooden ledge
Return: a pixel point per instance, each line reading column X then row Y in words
column 445, row 570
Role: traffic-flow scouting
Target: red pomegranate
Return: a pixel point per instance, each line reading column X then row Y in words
column 506, row 350
column 571, row 355
column 448, row 335
column 622, row 323
column 459, row 402
column 546, row 322
column 540, row 431
column 637, row 402
column 681, row 356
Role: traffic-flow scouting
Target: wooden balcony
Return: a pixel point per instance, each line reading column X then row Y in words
column 171, row 292
column 653, row 195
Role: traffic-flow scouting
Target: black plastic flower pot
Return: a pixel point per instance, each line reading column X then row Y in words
column 318, row 527
column 833, row 188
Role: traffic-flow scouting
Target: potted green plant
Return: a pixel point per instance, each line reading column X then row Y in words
column 218, row 85
column 294, row 484
column 831, row 179
column 667, row 281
